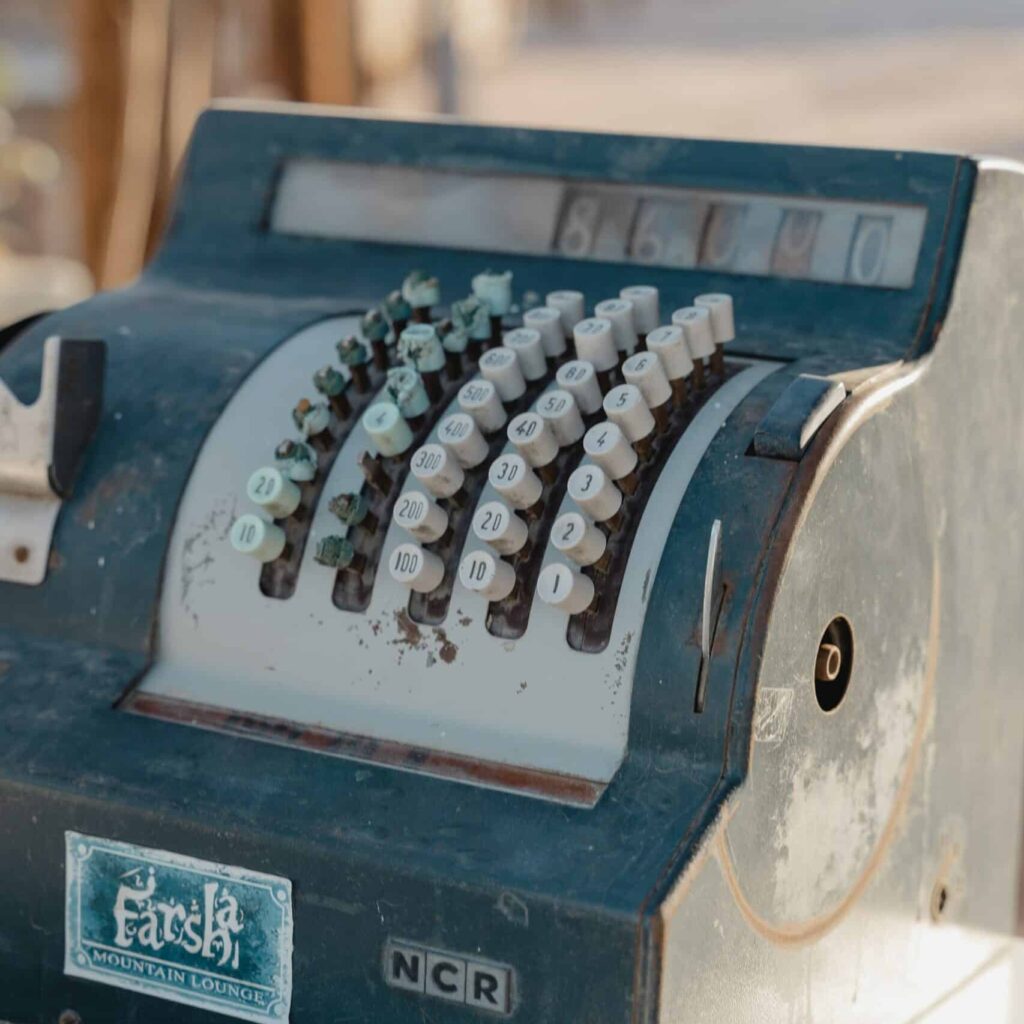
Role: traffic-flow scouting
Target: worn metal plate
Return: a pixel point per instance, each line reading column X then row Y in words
column 867, row 867
column 186, row 930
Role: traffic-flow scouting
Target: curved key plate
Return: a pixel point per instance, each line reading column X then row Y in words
column 533, row 703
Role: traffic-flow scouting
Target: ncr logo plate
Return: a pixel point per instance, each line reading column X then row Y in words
column 178, row 928
column 454, row 977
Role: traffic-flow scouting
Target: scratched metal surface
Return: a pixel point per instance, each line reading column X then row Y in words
column 818, row 879
column 374, row 852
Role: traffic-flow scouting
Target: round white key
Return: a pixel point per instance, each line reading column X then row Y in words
column 646, row 314
column 625, row 406
column 459, row 433
column 719, row 306
column 696, row 324
column 570, row 306
column 416, row 568
column 669, row 343
column 387, row 428
column 533, row 438
column 512, row 477
column 592, row 489
column 494, row 290
column 580, row 380
column 251, row 535
column 619, row 312
column 487, row 575
column 548, row 321
column 580, row 540
column 526, row 343
column 273, row 492
column 496, row 524
column 423, row 518
column 479, row 399
column 595, row 343
column 501, row 367
column 644, row 369
column 421, row 348
column 609, row 447
column 559, row 409
column 562, row 588
column 437, row 469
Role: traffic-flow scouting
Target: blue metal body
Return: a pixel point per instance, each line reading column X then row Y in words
column 570, row 896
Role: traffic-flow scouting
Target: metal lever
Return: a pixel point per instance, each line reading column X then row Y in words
column 797, row 415
column 710, row 610
column 41, row 450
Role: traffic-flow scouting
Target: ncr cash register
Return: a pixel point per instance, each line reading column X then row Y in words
column 479, row 574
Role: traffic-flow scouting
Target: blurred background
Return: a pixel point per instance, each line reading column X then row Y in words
column 97, row 97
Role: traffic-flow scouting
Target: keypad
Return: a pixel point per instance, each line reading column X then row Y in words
column 514, row 453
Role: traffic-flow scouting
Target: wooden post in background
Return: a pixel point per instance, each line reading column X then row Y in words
column 96, row 124
column 147, row 68
column 330, row 72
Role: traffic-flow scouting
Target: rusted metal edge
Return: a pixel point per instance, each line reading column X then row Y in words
column 532, row 782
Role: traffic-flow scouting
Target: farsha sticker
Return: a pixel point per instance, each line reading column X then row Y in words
column 181, row 929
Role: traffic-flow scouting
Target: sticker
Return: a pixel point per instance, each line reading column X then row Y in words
column 481, row 984
column 177, row 928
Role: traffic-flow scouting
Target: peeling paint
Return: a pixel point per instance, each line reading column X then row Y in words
column 513, row 909
column 772, row 712
column 622, row 653
column 120, row 481
column 851, row 797
column 198, row 551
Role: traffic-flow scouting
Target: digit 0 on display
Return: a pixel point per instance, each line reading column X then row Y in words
column 794, row 245
column 869, row 250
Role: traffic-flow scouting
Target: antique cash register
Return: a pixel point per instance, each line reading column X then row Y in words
column 481, row 574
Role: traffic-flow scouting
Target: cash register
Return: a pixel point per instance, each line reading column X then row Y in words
column 483, row 574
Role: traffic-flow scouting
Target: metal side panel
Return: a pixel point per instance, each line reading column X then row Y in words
column 870, row 864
